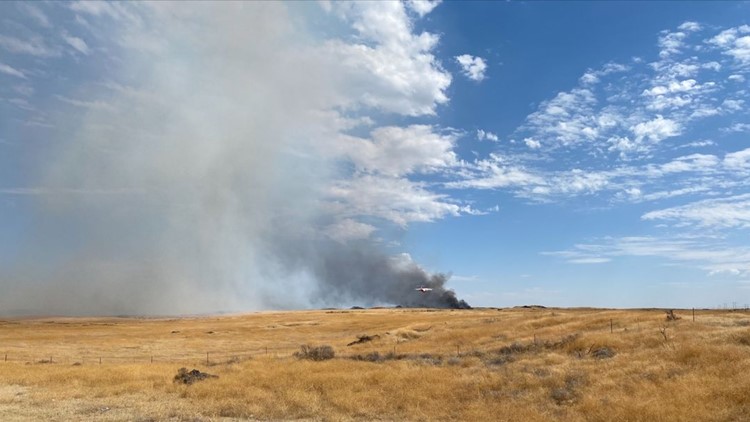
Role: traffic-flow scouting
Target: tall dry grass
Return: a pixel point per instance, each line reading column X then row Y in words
column 487, row 364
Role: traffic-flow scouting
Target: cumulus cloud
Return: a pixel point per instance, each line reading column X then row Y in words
column 532, row 143
column 482, row 135
column 393, row 199
column 396, row 151
column 472, row 67
column 656, row 130
column 423, row 7
column 739, row 160
column 734, row 42
column 394, row 70
column 670, row 43
column 690, row 26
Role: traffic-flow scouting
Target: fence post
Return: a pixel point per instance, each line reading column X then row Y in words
column 100, row 360
column 693, row 314
column 611, row 327
column 206, row 358
column 6, row 357
column 152, row 358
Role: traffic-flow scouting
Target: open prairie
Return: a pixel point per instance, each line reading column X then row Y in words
column 520, row 364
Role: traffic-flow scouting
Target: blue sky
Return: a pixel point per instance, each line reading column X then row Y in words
column 555, row 153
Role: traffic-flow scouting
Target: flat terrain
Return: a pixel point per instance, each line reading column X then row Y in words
column 520, row 364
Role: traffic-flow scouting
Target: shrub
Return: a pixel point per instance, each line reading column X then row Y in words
column 316, row 353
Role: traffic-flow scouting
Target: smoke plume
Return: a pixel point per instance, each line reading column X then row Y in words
column 195, row 173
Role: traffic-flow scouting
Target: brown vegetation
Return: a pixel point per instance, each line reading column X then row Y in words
column 530, row 364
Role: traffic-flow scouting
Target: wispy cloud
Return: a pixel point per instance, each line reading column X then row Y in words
column 33, row 46
column 35, row 13
column 77, row 43
column 710, row 254
column 728, row 212
column 4, row 68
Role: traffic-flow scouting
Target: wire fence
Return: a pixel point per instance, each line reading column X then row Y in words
column 92, row 358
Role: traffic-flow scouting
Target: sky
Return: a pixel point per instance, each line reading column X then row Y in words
column 178, row 157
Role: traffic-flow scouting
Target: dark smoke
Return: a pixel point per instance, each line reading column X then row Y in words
column 367, row 275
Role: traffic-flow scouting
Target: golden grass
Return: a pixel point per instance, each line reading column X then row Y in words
column 486, row 364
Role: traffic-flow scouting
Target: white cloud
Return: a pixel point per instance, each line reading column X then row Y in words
column 592, row 260
column 732, row 104
column 690, row 26
column 4, row 68
column 567, row 119
column 670, row 43
column 698, row 144
column 589, row 78
column 101, row 8
column 472, row 67
column 398, row 151
column 738, row 127
column 739, row 160
column 655, row 196
column 703, row 252
column 726, row 212
column 734, row 43
column 494, row 173
column 736, row 78
column 681, row 86
column 690, row 163
column 656, row 130
column 578, row 181
column 33, row 46
column 77, row 43
column 482, row 135
column 662, row 102
column 532, row 143
column 393, row 69
column 35, row 13
column 91, row 104
column 397, row 200
column 423, row 7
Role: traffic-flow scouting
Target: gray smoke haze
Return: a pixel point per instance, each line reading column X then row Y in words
column 195, row 175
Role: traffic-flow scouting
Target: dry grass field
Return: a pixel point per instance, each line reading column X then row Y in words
column 521, row 364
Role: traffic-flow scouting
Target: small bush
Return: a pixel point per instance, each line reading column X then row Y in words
column 316, row 353
column 603, row 353
column 370, row 357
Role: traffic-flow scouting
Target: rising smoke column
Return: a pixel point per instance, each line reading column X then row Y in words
column 195, row 175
